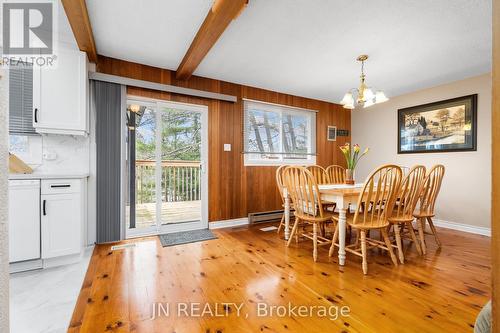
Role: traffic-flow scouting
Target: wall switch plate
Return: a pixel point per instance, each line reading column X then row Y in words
column 227, row 147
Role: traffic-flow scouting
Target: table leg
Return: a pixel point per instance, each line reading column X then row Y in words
column 342, row 230
column 287, row 216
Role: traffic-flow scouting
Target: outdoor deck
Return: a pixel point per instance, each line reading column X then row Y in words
column 171, row 212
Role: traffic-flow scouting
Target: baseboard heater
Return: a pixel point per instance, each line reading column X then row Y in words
column 262, row 217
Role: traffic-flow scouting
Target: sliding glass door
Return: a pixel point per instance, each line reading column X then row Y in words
column 166, row 164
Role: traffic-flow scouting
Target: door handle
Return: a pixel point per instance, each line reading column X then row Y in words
column 44, row 207
column 36, row 115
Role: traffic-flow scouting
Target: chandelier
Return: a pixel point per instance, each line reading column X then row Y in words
column 366, row 97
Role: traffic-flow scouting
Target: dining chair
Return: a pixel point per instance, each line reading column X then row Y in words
column 405, row 169
column 319, row 174
column 336, row 174
column 279, row 183
column 379, row 193
column 407, row 199
column 427, row 201
column 303, row 190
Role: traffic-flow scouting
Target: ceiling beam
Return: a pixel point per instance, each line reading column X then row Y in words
column 78, row 16
column 217, row 20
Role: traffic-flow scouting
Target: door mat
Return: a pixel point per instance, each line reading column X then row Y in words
column 186, row 237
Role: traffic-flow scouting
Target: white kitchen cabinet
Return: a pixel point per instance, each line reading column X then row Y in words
column 60, row 95
column 61, row 217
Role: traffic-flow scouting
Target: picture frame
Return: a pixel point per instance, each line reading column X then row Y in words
column 445, row 126
column 332, row 133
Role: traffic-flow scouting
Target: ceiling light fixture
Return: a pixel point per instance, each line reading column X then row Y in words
column 366, row 97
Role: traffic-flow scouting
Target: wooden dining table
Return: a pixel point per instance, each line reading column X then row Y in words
column 343, row 196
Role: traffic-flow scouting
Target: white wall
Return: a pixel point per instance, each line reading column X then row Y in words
column 4, row 203
column 466, row 191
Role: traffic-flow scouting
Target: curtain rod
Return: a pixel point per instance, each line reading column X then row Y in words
column 282, row 105
column 159, row 86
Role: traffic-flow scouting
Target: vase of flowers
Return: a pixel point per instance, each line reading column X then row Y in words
column 352, row 157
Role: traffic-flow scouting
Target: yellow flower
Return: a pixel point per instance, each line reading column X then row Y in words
column 366, row 151
column 356, row 148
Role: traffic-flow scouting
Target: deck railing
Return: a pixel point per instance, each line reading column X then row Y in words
column 180, row 181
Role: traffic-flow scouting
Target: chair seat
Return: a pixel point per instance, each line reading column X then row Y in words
column 401, row 219
column 422, row 215
column 327, row 216
column 350, row 220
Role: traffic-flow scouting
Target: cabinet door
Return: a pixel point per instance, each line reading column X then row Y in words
column 61, row 224
column 59, row 95
column 24, row 222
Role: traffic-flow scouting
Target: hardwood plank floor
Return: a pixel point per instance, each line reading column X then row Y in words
column 171, row 212
column 442, row 292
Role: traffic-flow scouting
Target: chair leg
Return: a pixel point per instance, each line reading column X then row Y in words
column 433, row 228
column 399, row 243
column 349, row 230
column 297, row 233
column 323, row 229
column 334, row 240
column 315, row 241
column 363, row 251
column 421, row 229
column 282, row 222
column 389, row 246
column 414, row 238
column 294, row 230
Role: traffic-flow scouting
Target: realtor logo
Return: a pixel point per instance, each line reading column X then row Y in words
column 28, row 32
column 27, row 28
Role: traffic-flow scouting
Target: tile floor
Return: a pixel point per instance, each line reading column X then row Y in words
column 43, row 300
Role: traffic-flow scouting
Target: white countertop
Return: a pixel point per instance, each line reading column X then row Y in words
column 48, row 175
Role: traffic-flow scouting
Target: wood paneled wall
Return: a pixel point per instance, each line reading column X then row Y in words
column 236, row 190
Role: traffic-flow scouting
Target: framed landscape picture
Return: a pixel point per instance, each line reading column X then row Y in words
column 444, row 126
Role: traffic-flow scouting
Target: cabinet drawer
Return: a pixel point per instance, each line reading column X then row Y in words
column 61, row 186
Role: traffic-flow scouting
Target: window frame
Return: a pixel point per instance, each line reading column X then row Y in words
column 309, row 158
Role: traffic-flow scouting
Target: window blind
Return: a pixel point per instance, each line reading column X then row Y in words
column 21, row 101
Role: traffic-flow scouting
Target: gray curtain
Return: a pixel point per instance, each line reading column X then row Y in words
column 108, row 103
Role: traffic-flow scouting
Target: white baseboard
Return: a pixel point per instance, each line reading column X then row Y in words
column 23, row 266
column 228, row 223
column 462, row 227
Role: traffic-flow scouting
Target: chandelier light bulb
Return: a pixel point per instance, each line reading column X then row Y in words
column 380, row 97
column 348, row 99
column 368, row 95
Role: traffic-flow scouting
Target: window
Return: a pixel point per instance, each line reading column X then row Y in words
column 21, row 101
column 276, row 134
column 24, row 141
